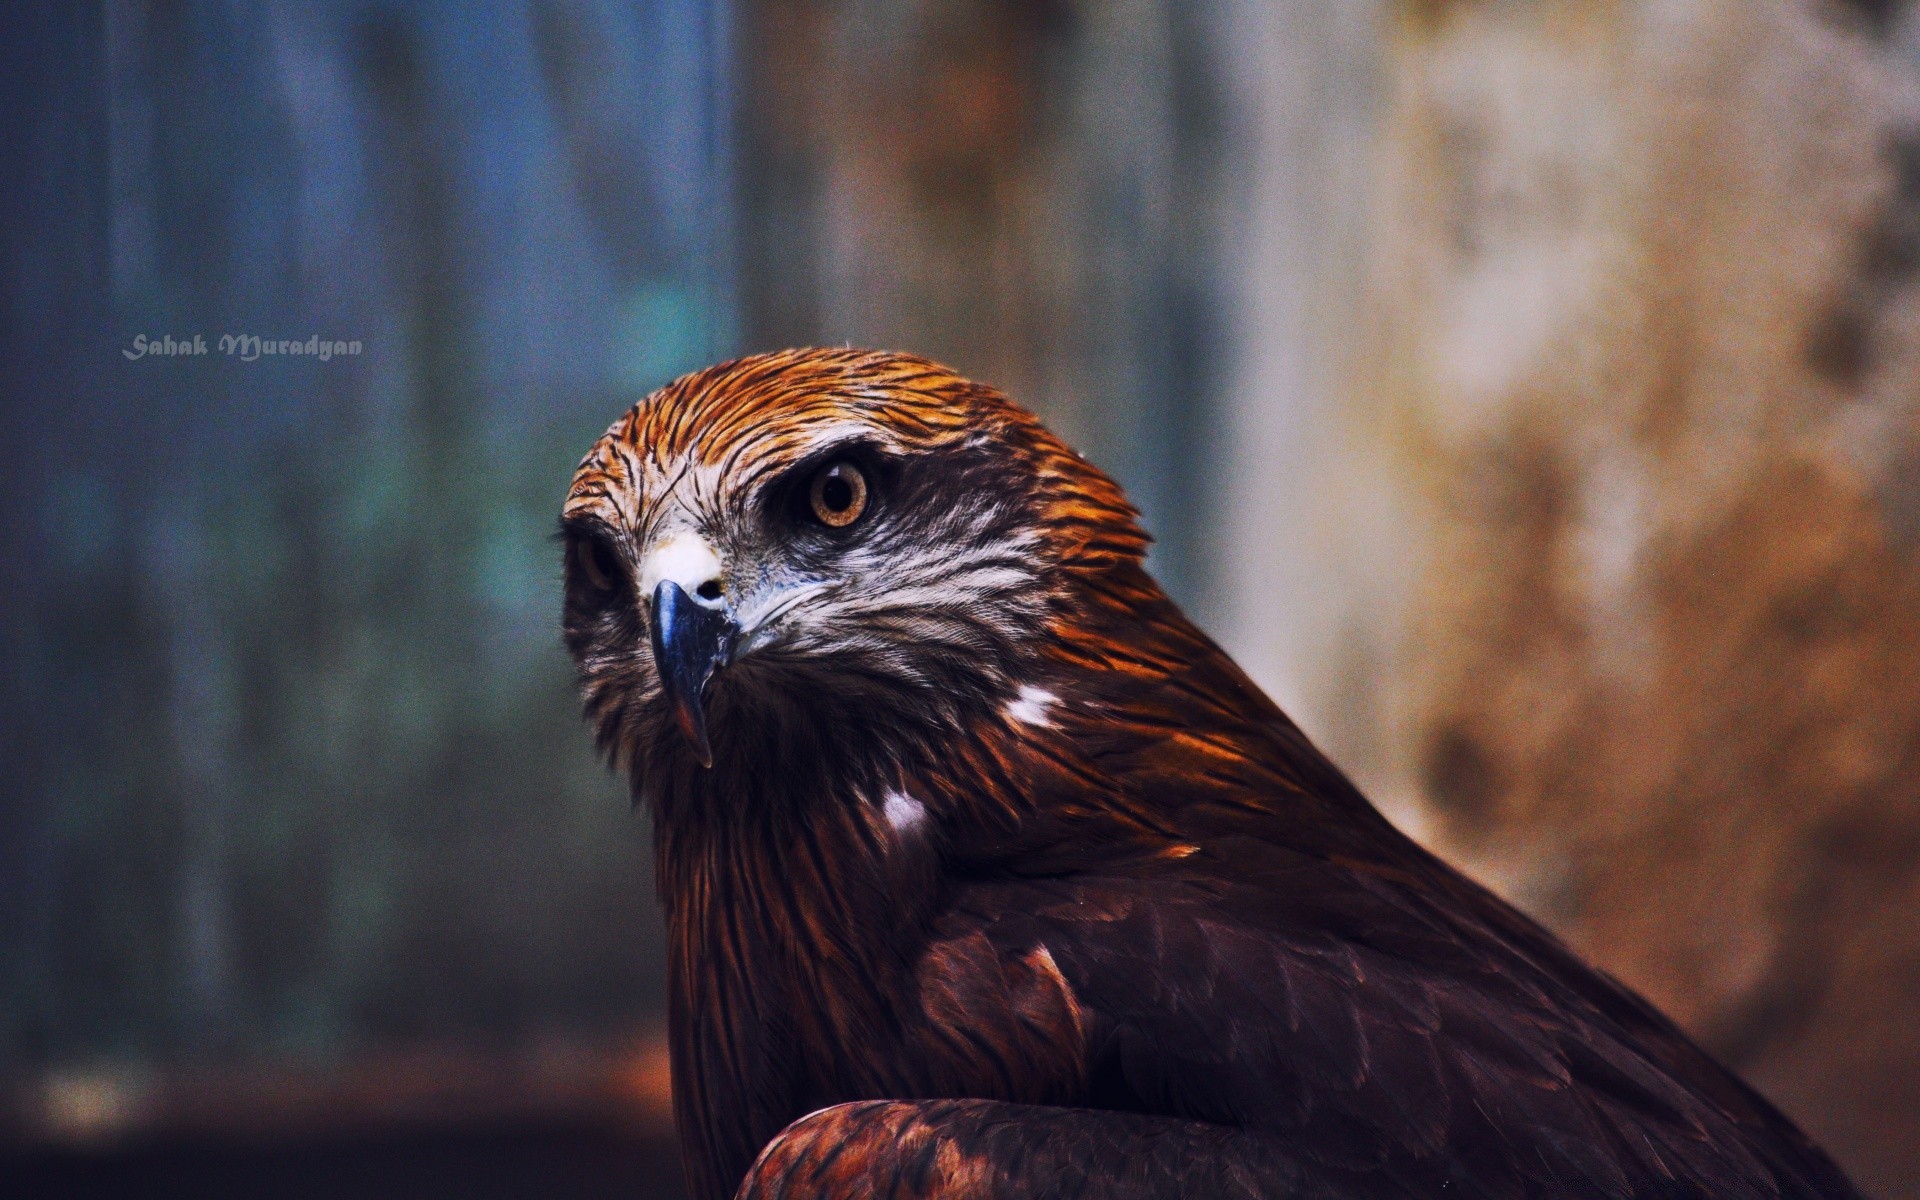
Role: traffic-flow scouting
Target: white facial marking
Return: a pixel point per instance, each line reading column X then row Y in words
column 686, row 559
column 904, row 812
column 1030, row 707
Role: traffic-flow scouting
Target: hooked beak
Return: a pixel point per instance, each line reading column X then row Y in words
column 690, row 642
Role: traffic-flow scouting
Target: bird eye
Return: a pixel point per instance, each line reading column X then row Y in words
column 596, row 562
column 839, row 494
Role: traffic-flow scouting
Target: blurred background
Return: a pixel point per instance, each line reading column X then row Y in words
column 1524, row 390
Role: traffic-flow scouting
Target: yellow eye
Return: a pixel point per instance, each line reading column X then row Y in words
column 596, row 563
column 839, row 494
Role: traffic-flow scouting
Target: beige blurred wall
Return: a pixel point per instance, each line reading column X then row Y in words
column 1308, row 562
column 1574, row 492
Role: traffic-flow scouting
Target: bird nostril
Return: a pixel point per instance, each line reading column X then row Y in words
column 710, row 590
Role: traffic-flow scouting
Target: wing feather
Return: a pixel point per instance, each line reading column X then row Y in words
column 1385, row 1049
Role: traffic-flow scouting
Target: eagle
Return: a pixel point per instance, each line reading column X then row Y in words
column 987, row 873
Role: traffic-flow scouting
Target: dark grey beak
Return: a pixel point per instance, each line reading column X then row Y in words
column 690, row 642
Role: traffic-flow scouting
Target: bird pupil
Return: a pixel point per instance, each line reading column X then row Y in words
column 836, row 493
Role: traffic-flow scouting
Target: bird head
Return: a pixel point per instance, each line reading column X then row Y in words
column 840, row 546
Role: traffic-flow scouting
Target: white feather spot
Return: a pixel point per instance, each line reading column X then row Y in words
column 685, row 558
column 904, row 813
column 1030, row 707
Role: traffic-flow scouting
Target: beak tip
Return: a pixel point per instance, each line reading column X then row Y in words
column 691, row 718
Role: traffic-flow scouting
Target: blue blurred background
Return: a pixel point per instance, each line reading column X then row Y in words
column 294, row 779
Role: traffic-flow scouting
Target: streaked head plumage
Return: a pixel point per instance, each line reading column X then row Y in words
column 881, row 540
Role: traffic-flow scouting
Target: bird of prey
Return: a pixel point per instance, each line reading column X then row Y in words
column 986, row 873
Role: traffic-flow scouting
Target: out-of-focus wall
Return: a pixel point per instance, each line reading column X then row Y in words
column 294, row 769
column 1304, row 539
column 1616, row 494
